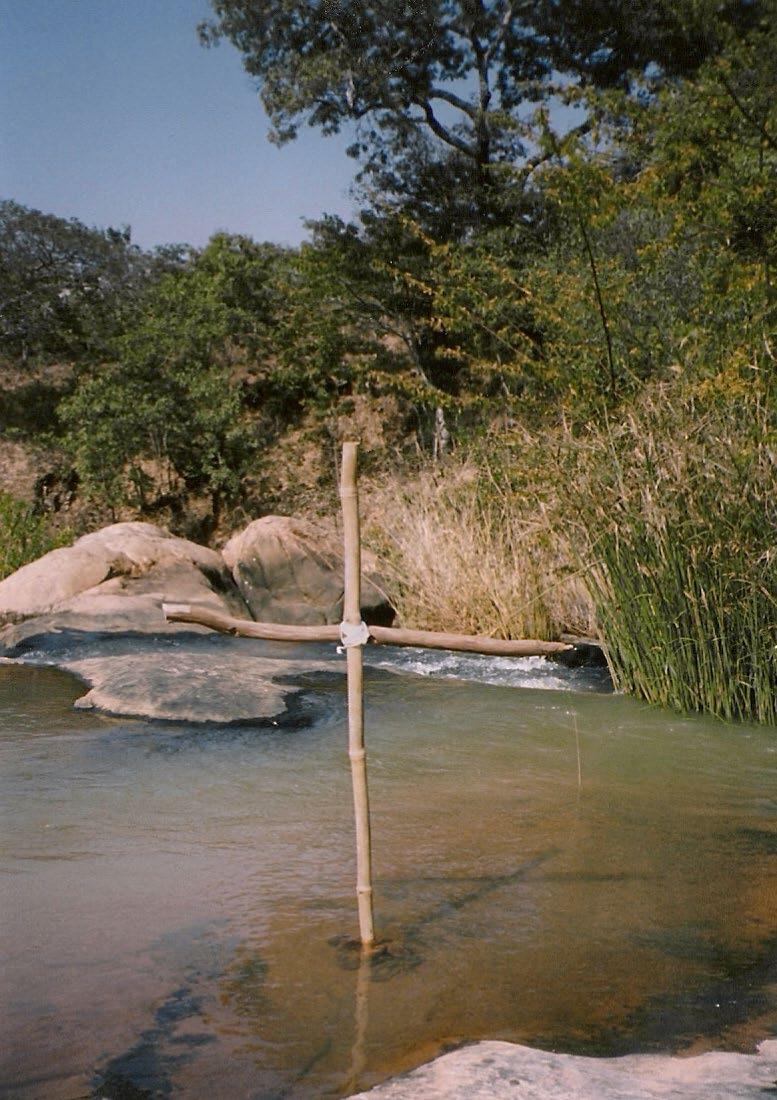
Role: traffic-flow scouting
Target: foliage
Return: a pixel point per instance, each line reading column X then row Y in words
column 441, row 324
column 680, row 510
column 623, row 271
column 438, row 90
column 24, row 535
column 315, row 344
column 660, row 230
column 65, row 288
column 654, row 529
column 165, row 415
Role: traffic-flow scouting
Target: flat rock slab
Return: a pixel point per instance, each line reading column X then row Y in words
column 193, row 679
column 505, row 1071
column 186, row 687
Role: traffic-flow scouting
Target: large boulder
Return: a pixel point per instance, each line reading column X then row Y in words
column 289, row 572
column 95, row 609
column 116, row 580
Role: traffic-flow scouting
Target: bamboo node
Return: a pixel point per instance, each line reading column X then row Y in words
column 357, row 754
column 363, row 889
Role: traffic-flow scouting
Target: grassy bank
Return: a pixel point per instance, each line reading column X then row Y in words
column 465, row 551
column 656, row 531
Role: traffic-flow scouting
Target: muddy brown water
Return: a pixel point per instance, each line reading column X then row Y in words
column 177, row 901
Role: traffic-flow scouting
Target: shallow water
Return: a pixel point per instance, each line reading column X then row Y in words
column 177, row 901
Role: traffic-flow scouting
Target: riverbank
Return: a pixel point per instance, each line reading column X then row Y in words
column 653, row 532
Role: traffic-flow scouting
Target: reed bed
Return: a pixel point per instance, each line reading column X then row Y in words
column 657, row 532
column 686, row 631
column 680, row 508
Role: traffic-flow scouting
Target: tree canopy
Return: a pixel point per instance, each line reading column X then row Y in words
column 64, row 286
column 504, row 269
column 441, row 90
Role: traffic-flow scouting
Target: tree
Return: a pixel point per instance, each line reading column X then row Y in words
column 64, row 287
column 164, row 418
column 439, row 88
column 661, row 256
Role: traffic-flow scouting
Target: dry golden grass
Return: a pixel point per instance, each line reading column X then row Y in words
column 460, row 553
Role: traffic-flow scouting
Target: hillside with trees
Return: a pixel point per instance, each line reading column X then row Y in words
column 553, row 326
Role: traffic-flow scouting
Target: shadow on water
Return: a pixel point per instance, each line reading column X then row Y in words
column 481, row 890
column 759, row 840
column 704, row 1015
column 145, row 1070
column 736, row 994
column 402, row 950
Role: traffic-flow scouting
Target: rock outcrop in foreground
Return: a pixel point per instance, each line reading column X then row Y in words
column 95, row 609
column 504, row 1071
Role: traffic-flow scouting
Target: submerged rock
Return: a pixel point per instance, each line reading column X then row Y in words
column 287, row 573
column 191, row 686
column 505, row 1071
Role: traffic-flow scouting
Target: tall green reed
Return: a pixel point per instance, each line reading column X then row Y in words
column 681, row 513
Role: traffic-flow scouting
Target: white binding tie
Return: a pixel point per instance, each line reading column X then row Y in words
column 352, row 634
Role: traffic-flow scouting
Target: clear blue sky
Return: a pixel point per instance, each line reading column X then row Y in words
column 112, row 112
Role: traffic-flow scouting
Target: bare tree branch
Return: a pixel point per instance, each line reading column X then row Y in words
column 442, row 132
column 454, row 100
column 747, row 114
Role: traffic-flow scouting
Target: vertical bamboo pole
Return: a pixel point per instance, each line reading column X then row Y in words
column 352, row 616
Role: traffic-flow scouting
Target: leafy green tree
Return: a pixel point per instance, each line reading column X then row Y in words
column 65, row 288
column 438, row 89
column 164, row 418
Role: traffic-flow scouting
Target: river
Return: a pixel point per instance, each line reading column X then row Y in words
column 555, row 865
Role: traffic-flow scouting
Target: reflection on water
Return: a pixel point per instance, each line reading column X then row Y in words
column 177, row 902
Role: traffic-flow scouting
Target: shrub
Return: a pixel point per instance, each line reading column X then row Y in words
column 24, row 535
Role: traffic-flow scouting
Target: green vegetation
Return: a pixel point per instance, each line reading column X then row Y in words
column 656, row 530
column 685, row 581
column 558, row 345
column 67, row 288
column 24, row 535
column 164, row 417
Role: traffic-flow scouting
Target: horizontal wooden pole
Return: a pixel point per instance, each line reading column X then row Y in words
column 246, row 628
column 381, row 635
column 466, row 643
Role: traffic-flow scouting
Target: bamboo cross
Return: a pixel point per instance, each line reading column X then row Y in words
column 353, row 634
